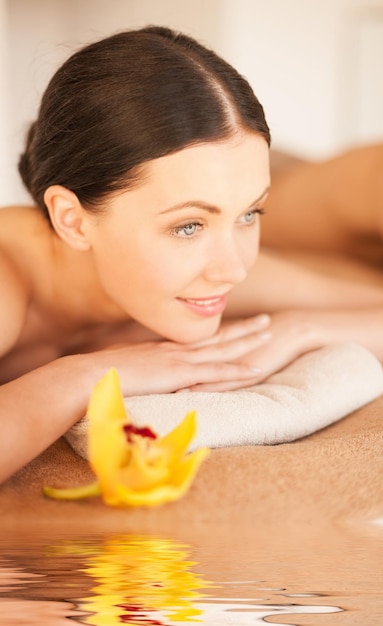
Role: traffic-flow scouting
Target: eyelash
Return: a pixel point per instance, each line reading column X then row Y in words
column 176, row 231
column 255, row 212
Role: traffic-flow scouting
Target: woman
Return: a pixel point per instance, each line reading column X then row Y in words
column 148, row 167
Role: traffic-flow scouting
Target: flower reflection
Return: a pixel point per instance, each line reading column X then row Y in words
column 137, row 580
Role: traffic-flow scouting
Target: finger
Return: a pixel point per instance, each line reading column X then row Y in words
column 216, row 374
column 224, row 386
column 234, row 330
column 230, row 350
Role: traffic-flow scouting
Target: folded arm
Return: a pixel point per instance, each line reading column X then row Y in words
column 277, row 284
column 308, row 310
column 296, row 332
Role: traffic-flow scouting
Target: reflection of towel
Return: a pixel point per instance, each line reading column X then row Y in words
column 316, row 390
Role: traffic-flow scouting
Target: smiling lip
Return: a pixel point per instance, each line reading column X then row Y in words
column 205, row 306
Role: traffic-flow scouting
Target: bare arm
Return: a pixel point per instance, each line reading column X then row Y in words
column 362, row 325
column 297, row 332
column 40, row 406
column 37, row 408
column 276, row 284
column 308, row 311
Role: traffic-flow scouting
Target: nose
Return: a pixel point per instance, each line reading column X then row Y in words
column 230, row 261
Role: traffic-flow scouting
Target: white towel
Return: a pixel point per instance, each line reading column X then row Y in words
column 314, row 391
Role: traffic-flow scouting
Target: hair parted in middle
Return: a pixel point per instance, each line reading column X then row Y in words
column 125, row 100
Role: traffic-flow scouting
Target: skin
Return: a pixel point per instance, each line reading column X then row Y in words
column 195, row 252
column 71, row 293
column 80, row 284
column 333, row 206
column 114, row 290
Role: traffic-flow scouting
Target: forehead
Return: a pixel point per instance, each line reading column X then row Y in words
column 229, row 173
column 244, row 155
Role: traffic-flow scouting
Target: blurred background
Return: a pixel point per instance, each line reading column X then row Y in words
column 316, row 65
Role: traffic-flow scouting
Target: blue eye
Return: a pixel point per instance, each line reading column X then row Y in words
column 249, row 217
column 188, row 230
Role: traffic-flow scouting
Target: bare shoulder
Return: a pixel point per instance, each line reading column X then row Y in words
column 14, row 302
column 14, row 289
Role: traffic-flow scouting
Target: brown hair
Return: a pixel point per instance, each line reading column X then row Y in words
column 124, row 100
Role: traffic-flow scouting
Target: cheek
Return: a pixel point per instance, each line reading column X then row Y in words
column 256, row 246
column 250, row 248
column 168, row 274
column 167, row 269
column 116, row 264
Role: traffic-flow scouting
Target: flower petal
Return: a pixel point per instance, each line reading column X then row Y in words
column 187, row 468
column 177, row 486
column 177, row 441
column 143, row 473
column 138, row 470
column 107, row 449
column 106, row 400
column 107, row 452
column 74, row 493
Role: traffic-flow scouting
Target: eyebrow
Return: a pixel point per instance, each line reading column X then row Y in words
column 211, row 208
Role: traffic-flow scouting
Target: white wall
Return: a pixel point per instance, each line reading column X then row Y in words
column 316, row 65
column 5, row 120
column 42, row 33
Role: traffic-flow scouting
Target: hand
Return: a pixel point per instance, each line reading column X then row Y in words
column 293, row 333
column 164, row 366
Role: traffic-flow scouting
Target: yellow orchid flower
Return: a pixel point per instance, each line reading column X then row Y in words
column 133, row 466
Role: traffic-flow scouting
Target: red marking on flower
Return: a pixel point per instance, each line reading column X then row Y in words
column 139, row 616
column 130, row 430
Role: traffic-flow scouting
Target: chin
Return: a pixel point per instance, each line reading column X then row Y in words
column 193, row 333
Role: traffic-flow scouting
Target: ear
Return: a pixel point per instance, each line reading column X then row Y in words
column 67, row 215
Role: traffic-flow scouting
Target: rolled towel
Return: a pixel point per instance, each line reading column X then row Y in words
column 314, row 391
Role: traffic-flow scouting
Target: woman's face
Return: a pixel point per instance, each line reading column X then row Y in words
column 169, row 252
